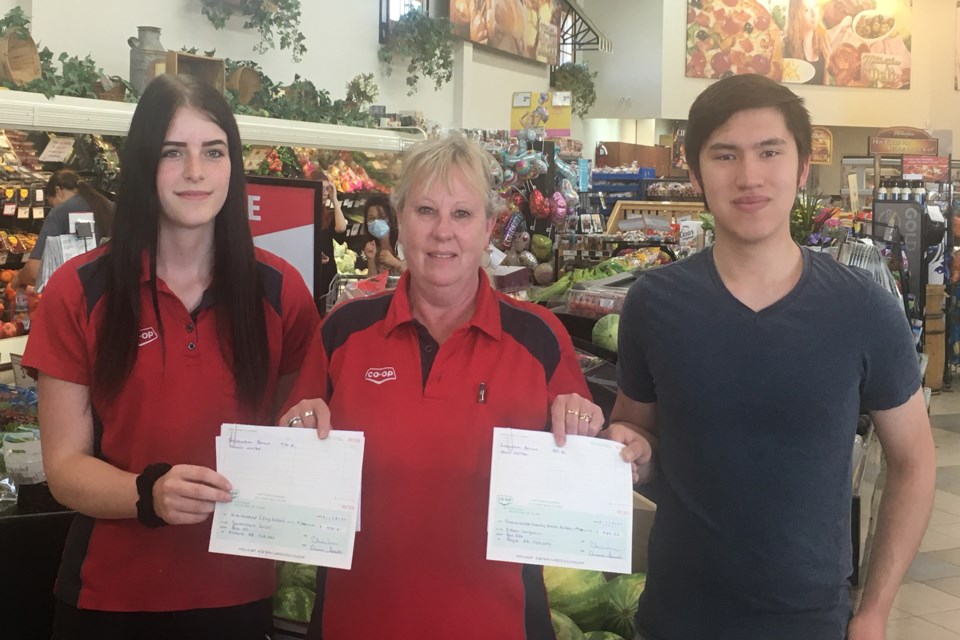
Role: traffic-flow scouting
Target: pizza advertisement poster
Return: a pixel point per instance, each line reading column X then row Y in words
column 932, row 168
column 527, row 28
column 841, row 43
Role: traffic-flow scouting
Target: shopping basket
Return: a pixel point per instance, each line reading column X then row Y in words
column 346, row 286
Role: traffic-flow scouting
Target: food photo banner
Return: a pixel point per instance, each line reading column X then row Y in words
column 527, row 28
column 841, row 43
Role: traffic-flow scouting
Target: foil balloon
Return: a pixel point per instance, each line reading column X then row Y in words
column 496, row 174
column 540, row 165
column 522, row 241
column 573, row 198
column 563, row 168
column 511, row 229
column 524, row 168
column 558, row 207
column 531, row 134
column 539, row 206
column 519, row 202
column 528, row 260
column 509, row 178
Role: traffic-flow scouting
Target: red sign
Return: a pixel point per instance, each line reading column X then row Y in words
column 273, row 208
column 932, row 168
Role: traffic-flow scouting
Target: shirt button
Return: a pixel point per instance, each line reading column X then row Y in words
column 191, row 346
column 428, row 348
column 189, row 327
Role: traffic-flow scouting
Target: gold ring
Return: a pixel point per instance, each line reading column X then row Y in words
column 586, row 416
column 573, row 412
column 308, row 413
column 295, row 419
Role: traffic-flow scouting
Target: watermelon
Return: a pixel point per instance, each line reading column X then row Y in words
column 605, row 332
column 292, row 574
column 564, row 627
column 293, row 603
column 603, row 635
column 578, row 594
column 622, row 597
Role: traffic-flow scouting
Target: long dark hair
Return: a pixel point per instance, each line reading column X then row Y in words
column 384, row 203
column 102, row 207
column 237, row 285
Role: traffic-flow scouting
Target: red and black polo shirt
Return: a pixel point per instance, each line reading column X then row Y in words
column 419, row 565
column 170, row 410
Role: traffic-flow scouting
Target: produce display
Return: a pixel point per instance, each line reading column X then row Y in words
column 346, row 259
column 585, row 602
column 641, row 259
column 605, row 332
column 296, row 591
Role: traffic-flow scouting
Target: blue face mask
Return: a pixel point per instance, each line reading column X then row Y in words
column 379, row 229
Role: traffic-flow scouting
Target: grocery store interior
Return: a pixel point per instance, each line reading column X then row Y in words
column 582, row 106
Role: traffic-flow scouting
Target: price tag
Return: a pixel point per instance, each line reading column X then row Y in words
column 23, row 213
column 10, row 209
column 38, row 195
column 59, row 149
column 38, row 213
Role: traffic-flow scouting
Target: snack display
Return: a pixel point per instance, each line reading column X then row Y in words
column 730, row 37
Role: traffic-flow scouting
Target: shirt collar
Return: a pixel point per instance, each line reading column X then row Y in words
column 486, row 314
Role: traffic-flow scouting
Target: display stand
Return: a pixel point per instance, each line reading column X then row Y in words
column 626, row 210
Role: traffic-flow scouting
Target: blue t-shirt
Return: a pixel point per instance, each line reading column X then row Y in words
column 757, row 414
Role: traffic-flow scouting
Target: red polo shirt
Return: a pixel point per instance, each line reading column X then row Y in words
column 419, row 565
column 170, row 410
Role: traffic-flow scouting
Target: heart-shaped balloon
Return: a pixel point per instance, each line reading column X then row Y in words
column 558, row 208
column 539, row 206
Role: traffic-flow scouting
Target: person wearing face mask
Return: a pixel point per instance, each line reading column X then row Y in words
column 384, row 254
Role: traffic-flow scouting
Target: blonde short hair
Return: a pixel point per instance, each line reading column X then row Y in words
column 437, row 159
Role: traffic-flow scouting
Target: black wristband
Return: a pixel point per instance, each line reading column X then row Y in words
column 145, row 481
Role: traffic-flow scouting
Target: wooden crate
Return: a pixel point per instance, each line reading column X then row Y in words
column 625, row 209
column 209, row 70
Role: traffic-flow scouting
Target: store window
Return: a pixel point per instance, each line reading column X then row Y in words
column 568, row 52
column 400, row 8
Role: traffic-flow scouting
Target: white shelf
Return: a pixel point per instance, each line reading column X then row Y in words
column 33, row 111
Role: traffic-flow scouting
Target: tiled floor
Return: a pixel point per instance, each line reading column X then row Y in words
column 928, row 604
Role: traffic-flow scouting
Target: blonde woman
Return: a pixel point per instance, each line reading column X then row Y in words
column 807, row 38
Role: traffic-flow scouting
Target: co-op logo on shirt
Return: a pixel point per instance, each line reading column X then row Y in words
column 381, row 375
column 147, row 336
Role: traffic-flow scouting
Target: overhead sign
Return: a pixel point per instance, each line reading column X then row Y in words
column 903, row 140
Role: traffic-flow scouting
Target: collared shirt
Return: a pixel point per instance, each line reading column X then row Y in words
column 170, row 409
column 420, row 558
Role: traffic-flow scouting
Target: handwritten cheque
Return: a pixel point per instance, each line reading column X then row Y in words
column 295, row 497
column 569, row 506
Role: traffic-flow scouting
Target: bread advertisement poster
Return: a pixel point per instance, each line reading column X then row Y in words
column 527, row 28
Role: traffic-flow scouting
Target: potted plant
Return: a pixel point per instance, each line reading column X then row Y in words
column 578, row 80
column 272, row 19
column 362, row 91
column 428, row 45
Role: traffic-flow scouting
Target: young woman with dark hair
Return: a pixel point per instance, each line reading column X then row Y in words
column 382, row 250
column 143, row 348
column 67, row 193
